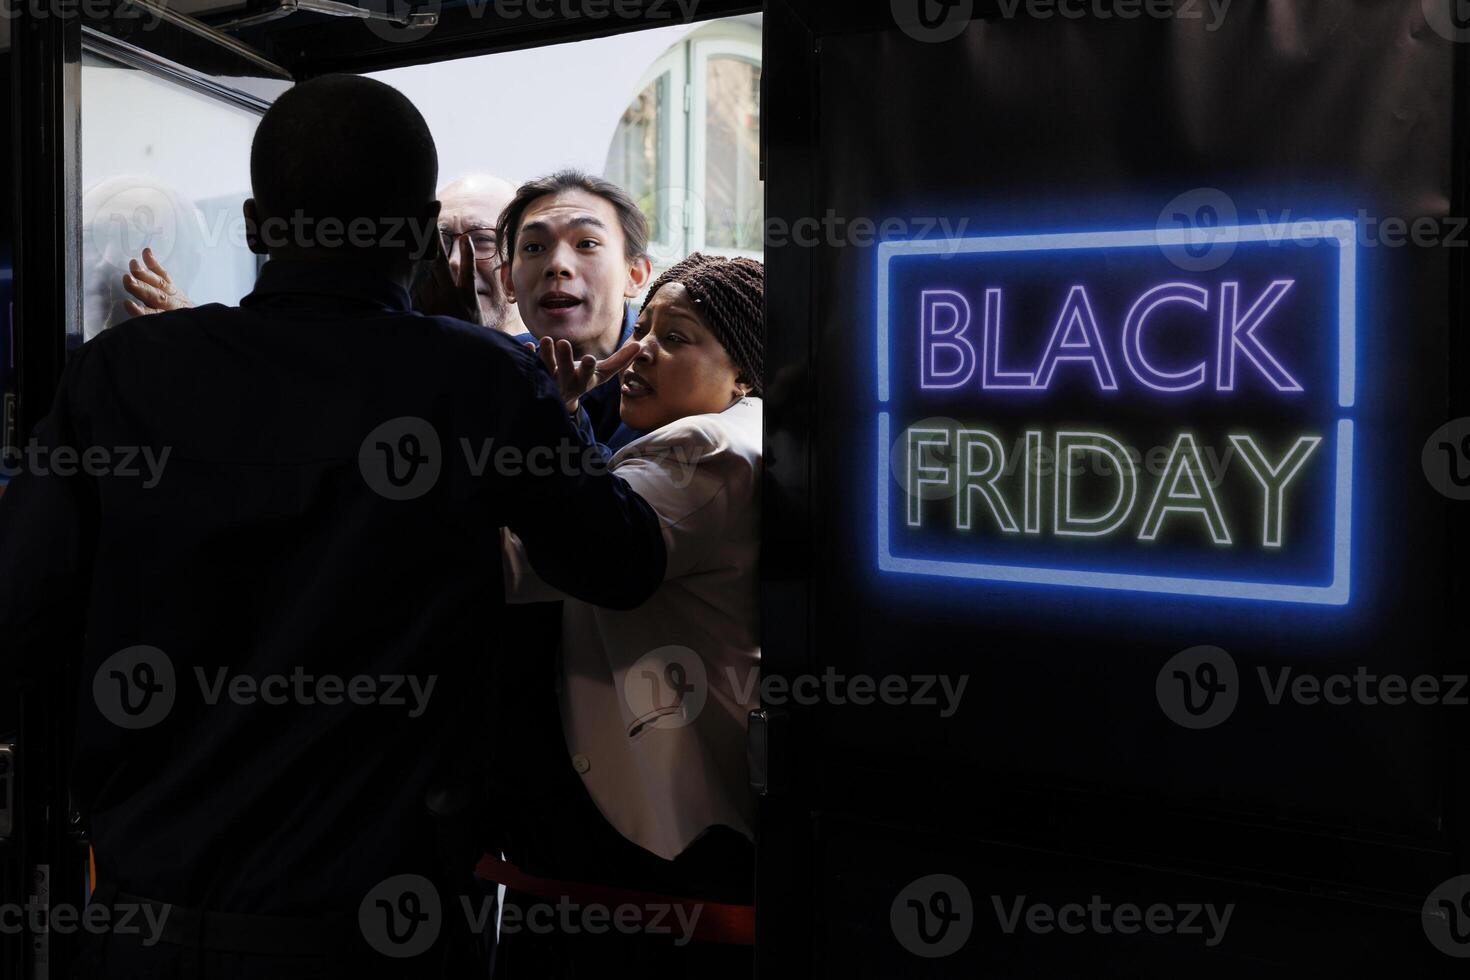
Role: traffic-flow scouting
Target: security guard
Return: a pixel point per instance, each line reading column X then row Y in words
column 278, row 627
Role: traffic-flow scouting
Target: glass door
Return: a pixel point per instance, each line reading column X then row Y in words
column 164, row 167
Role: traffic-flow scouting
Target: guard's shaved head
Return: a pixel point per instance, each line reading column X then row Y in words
column 342, row 147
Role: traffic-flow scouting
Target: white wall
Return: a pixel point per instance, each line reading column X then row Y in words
column 523, row 114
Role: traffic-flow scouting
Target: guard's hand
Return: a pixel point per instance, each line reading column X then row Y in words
column 447, row 293
column 153, row 290
column 575, row 378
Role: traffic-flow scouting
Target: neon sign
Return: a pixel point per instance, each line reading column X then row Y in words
column 1075, row 410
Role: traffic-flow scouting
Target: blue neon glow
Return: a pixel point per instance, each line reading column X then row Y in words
column 1342, row 233
column 1338, row 235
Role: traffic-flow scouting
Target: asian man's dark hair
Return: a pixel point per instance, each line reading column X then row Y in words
column 343, row 164
column 635, row 225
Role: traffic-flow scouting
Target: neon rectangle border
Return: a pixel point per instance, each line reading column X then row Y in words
column 1342, row 232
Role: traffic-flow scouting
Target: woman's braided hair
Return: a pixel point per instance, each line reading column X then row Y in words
column 730, row 297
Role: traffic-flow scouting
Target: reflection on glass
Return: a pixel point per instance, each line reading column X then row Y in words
column 734, row 204
column 639, row 152
column 167, row 168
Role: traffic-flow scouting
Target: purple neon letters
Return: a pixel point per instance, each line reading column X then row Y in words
column 952, row 353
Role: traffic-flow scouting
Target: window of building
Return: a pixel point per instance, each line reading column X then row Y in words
column 688, row 145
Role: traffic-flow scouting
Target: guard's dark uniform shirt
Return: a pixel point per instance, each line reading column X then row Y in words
column 284, row 731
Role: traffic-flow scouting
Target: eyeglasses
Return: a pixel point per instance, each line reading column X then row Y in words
column 482, row 240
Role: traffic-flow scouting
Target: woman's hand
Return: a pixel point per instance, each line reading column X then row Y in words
column 445, row 294
column 155, row 292
column 575, row 378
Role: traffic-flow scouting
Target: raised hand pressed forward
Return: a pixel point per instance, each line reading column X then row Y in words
column 447, row 292
column 574, row 378
column 152, row 289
